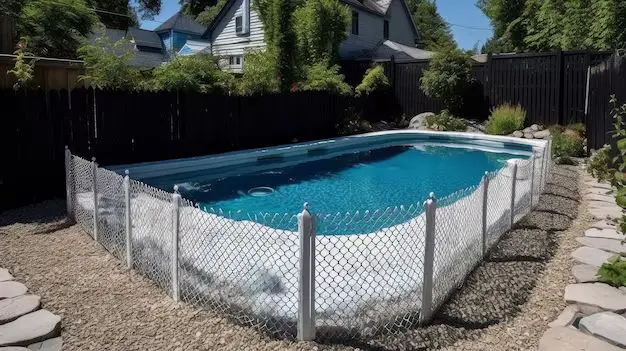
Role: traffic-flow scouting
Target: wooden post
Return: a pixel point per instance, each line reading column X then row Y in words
column 306, row 298
column 175, row 229
column 429, row 258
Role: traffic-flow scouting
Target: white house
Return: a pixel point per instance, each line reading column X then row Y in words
column 377, row 27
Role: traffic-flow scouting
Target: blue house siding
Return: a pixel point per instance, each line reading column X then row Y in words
column 166, row 41
column 180, row 39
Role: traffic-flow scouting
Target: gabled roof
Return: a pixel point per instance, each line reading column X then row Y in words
column 194, row 46
column 146, row 38
column 385, row 50
column 181, row 23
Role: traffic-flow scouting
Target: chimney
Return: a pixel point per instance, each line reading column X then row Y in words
column 246, row 17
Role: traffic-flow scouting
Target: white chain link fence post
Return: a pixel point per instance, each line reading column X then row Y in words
column 485, row 195
column 429, row 259
column 94, row 168
column 513, row 172
column 68, row 183
column 175, row 229
column 532, row 179
column 306, row 299
column 129, row 226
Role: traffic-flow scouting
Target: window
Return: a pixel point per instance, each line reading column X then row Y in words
column 386, row 29
column 235, row 60
column 231, row 60
column 238, row 60
column 355, row 23
column 239, row 24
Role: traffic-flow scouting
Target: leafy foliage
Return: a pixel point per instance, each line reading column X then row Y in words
column 568, row 144
column 434, row 32
column 505, row 119
column 613, row 272
column 373, row 80
column 320, row 26
column 197, row 72
column 117, row 7
column 320, row 76
column 599, row 165
column 208, row 14
column 507, row 20
column 24, row 67
column 55, row 27
column 259, row 74
column 448, row 76
column 107, row 64
column 445, row 121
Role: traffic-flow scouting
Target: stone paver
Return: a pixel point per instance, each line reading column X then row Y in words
column 596, row 185
column 592, row 256
column 585, row 273
column 600, row 198
column 608, row 326
column 13, row 348
column 604, row 233
column 570, row 339
column 566, row 317
column 609, row 245
column 11, row 289
column 597, row 295
column 606, row 212
column 54, row 344
column 31, row 328
column 604, row 225
column 598, row 191
column 5, row 275
column 18, row 306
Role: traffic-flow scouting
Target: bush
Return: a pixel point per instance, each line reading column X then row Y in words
column 259, row 74
column 198, row 72
column 613, row 272
column 447, row 78
column 565, row 160
column 321, row 77
column 578, row 128
column 598, row 165
column 505, row 119
column 566, row 144
column 373, row 80
column 445, row 121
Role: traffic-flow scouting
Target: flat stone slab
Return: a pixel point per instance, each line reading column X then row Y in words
column 15, row 307
column 31, row 328
column 610, row 245
column 566, row 317
column 608, row 326
column 592, row 256
column 600, row 198
column 570, row 339
column 13, row 348
column 599, row 295
column 599, row 191
column 604, row 233
column 54, row 344
column 606, row 212
column 5, row 275
column 585, row 273
column 11, row 289
column 604, row 225
column 596, row 185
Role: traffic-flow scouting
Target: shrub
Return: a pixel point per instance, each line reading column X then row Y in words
column 259, row 74
column 198, row 72
column 505, row 119
column 565, row 160
column 613, row 272
column 24, row 70
column 566, row 144
column 448, row 77
column 321, row 77
column 598, row 165
column 445, row 121
column 577, row 127
column 373, row 80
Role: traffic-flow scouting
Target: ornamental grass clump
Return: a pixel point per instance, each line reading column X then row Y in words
column 505, row 119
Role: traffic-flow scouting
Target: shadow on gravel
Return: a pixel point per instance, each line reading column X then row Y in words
column 41, row 218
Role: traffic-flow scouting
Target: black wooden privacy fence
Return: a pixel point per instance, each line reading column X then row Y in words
column 550, row 86
column 126, row 127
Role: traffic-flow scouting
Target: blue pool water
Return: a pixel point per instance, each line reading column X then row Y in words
column 372, row 180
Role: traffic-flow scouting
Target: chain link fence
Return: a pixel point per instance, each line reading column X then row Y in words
column 305, row 283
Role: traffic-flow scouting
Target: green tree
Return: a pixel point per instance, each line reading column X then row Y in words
column 506, row 17
column 547, row 33
column 107, row 64
column 320, row 26
column 434, row 32
column 209, row 13
column 198, row 72
column 259, row 74
column 374, row 79
column 321, row 76
column 55, row 27
column 24, row 68
column 119, row 13
column 607, row 29
column 576, row 22
column 447, row 78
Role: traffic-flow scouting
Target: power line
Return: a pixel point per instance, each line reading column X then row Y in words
column 467, row 27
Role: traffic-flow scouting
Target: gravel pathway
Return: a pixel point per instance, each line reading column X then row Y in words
column 505, row 304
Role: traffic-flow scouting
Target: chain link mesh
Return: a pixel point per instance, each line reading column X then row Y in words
column 366, row 284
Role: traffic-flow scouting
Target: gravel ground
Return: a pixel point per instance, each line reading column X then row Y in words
column 505, row 304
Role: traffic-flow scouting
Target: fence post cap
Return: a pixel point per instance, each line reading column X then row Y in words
column 431, row 196
column 67, row 147
column 126, row 172
column 176, row 189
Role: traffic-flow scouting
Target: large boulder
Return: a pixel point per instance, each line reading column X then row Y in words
column 528, row 135
column 417, row 122
column 517, row 134
column 542, row 134
column 606, row 325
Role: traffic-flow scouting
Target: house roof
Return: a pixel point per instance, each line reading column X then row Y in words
column 181, row 23
column 387, row 49
column 194, row 46
column 147, row 59
column 147, row 38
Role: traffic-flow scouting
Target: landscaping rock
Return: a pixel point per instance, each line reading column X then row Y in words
column 601, row 198
column 11, row 289
column 418, row 121
column 606, row 212
column 5, row 275
column 517, row 134
column 527, row 130
column 607, row 326
column 31, row 328
column 54, row 344
column 585, row 273
column 528, row 135
column 598, row 295
column 596, row 185
column 591, row 256
column 604, row 233
column 546, row 221
column 15, row 307
column 535, row 128
column 14, row 348
column 610, row 245
column 570, row 339
column 601, row 191
column 543, row 134
column 566, row 317
column 604, row 225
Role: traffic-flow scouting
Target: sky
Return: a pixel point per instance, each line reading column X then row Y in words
column 469, row 25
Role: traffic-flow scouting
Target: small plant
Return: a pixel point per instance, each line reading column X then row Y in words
column 577, row 127
column 567, row 144
column 445, row 121
column 23, row 69
column 320, row 76
column 598, row 165
column 565, row 160
column 373, row 80
column 505, row 119
column 613, row 272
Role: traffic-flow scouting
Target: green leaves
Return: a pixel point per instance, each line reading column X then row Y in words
column 197, row 72
column 320, row 76
column 448, row 75
column 620, row 196
column 613, row 272
column 434, row 32
column 373, row 80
